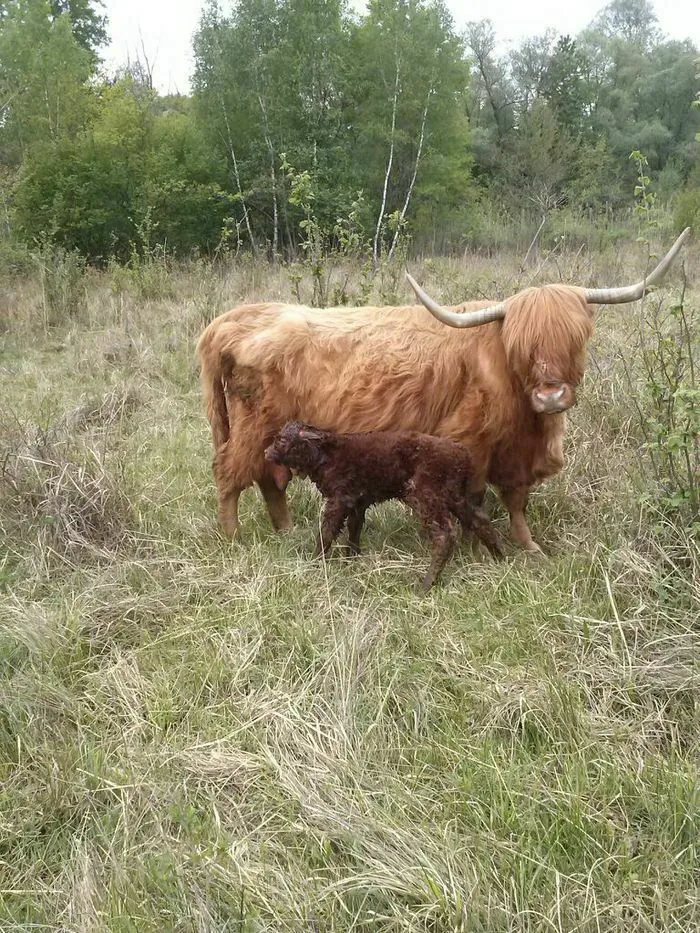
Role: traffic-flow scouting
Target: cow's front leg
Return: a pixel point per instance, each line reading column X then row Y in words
column 276, row 502
column 515, row 500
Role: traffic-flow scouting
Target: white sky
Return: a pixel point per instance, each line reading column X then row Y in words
column 166, row 27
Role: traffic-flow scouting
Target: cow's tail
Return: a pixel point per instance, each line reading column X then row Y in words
column 215, row 371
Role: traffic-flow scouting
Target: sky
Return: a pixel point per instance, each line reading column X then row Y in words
column 164, row 28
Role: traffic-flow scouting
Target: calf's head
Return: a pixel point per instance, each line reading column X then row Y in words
column 298, row 446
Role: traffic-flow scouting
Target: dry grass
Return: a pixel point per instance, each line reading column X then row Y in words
column 197, row 735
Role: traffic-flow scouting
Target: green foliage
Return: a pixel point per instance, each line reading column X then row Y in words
column 669, row 410
column 314, row 239
column 91, row 193
column 147, row 269
column 687, row 213
column 87, row 23
column 264, row 86
column 605, row 92
column 329, row 253
column 62, row 280
column 563, row 85
column 324, row 249
column 631, row 21
column 644, row 198
column 15, row 258
column 438, row 132
column 44, row 79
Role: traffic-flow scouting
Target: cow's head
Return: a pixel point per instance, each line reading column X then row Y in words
column 545, row 331
column 545, row 334
column 298, row 446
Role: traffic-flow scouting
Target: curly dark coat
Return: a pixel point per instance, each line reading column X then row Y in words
column 433, row 475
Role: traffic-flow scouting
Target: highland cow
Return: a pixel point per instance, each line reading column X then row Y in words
column 432, row 475
column 499, row 379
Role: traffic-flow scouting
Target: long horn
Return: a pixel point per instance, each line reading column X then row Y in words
column 467, row 319
column 614, row 296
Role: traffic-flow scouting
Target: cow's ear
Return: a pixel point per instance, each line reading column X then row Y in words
column 280, row 474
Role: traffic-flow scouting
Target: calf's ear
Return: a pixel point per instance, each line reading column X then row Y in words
column 279, row 474
column 311, row 434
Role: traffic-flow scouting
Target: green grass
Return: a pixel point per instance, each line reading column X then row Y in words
column 206, row 736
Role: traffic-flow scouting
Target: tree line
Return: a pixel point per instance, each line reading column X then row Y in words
column 305, row 116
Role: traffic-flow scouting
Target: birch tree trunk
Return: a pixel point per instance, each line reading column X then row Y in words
column 534, row 240
column 273, row 179
column 404, row 209
column 232, row 152
column 382, row 209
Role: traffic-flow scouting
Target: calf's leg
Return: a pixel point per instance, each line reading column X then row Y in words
column 440, row 527
column 334, row 515
column 469, row 535
column 477, row 521
column 356, row 520
column 443, row 535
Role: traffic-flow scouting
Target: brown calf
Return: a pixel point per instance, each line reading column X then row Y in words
column 433, row 475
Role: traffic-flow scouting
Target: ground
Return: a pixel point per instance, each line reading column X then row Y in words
column 204, row 735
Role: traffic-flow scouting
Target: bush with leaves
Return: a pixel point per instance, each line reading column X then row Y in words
column 62, row 278
column 668, row 406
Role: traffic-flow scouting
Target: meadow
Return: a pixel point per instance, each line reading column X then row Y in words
column 200, row 735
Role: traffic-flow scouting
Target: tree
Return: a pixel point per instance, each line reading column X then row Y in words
column 44, row 90
column 88, row 25
column 133, row 163
column 544, row 159
column 564, row 88
column 391, row 103
column 406, row 110
column 529, row 65
column 492, row 88
column 632, row 21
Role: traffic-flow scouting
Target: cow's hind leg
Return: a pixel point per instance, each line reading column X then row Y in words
column 229, row 487
column 228, row 496
column 276, row 503
column 515, row 500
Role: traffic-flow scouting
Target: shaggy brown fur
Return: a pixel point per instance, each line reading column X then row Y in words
column 433, row 475
column 501, row 388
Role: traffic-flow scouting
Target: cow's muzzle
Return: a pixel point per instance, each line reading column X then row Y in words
column 547, row 400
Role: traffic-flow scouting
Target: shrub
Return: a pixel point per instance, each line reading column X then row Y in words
column 62, row 279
